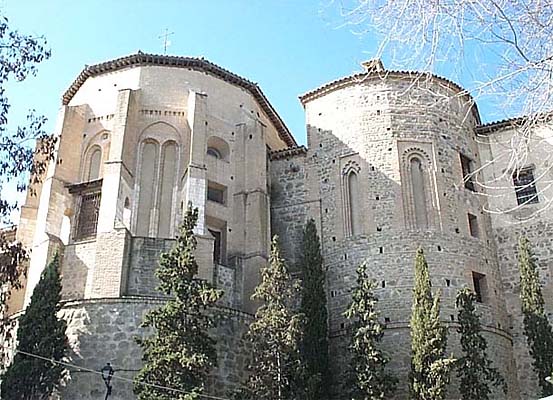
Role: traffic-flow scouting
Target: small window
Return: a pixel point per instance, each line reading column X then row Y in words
column 214, row 153
column 216, row 246
column 525, row 186
column 216, row 193
column 473, row 225
column 468, row 172
column 479, row 283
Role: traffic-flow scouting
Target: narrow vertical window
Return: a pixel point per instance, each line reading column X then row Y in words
column 473, row 225
column 167, row 187
column 480, row 287
column 148, row 176
column 216, row 246
column 419, row 196
column 468, row 172
column 353, row 200
column 94, row 164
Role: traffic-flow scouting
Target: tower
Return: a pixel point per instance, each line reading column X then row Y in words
column 140, row 138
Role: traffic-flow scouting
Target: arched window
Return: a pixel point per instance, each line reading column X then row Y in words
column 213, row 153
column 157, row 181
column 353, row 203
column 218, row 148
column 351, row 195
column 419, row 196
column 94, row 164
column 418, row 187
column 148, row 177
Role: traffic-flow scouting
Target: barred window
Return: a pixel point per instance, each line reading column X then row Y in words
column 525, row 186
column 88, row 215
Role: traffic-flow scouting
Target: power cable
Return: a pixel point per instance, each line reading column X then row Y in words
column 69, row 365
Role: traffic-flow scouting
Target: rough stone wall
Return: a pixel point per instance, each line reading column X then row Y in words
column 144, row 259
column 76, row 268
column 292, row 204
column 104, row 330
column 373, row 125
column 510, row 221
column 540, row 235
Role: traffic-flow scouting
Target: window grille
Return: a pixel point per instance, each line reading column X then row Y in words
column 88, row 215
column 525, row 186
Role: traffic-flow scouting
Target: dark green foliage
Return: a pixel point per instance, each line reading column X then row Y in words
column 536, row 326
column 274, row 335
column 180, row 353
column 474, row 368
column 20, row 55
column 367, row 378
column 430, row 370
column 314, row 344
column 40, row 333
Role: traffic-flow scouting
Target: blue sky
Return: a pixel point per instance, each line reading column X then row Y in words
column 288, row 47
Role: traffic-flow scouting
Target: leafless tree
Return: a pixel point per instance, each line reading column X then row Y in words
column 501, row 50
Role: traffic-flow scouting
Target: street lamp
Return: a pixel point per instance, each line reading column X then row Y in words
column 107, row 374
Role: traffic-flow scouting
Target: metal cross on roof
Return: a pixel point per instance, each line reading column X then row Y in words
column 166, row 41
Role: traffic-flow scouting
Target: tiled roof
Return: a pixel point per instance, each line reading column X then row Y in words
column 491, row 127
column 289, row 152
column 375, row 73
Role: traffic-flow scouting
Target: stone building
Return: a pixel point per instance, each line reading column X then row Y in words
column 392, row 163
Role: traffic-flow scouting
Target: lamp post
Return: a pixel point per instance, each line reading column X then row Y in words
column 107, row 374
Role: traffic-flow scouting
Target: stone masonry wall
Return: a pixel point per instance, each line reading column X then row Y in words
column 104, row 330
column 373, row 125
column 144, row 260
column 540, row 235
column 291, row 204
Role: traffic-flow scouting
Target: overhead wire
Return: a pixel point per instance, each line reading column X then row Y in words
column 84, row 369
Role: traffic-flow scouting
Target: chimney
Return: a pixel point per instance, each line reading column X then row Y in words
column 373, row 65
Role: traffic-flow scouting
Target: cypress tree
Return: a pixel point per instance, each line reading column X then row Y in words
column 179, row 353
column 536, row 326
column 41, row 333
column 274, row 335
column 367, row 378
column 314, row 344
column 474, row 368
column 430, row 369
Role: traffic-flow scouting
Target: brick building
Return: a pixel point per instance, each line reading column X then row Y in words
column 392, row 163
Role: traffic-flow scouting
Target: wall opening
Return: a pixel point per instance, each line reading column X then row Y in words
column 216, row 192
column 480, row 286
column 467, row 167
column 353, row 200
column 473, row 225
column 525, row 186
